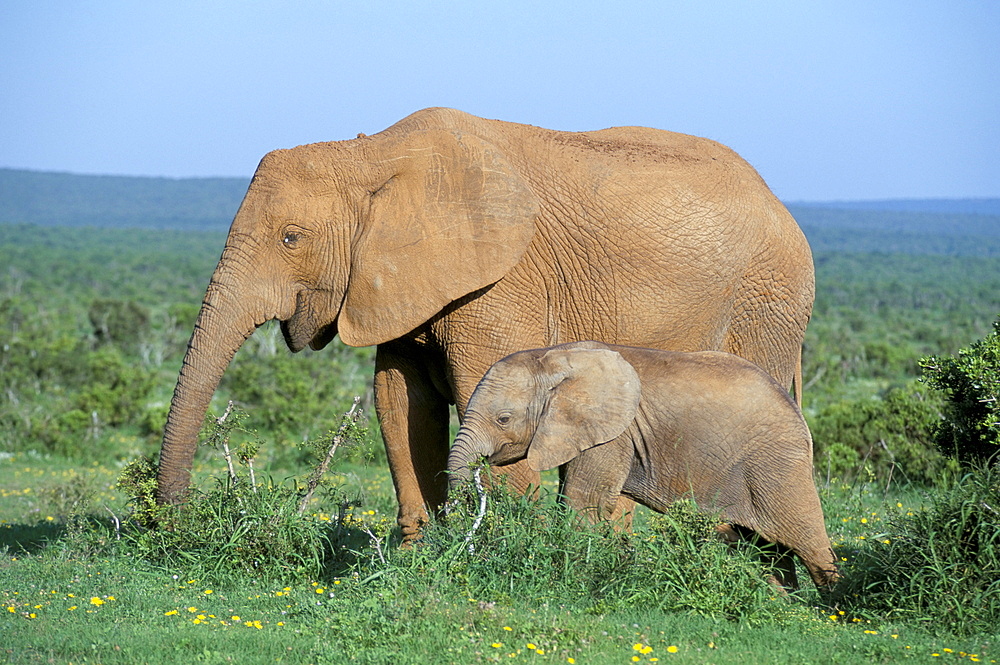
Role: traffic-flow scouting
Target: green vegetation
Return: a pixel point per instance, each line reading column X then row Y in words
column 970, row 429
column 93, row 326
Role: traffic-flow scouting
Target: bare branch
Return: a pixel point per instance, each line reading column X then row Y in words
column 350, row 418
column 477, row 479
column 225, row 445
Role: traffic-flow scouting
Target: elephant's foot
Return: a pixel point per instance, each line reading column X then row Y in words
column 410, row 525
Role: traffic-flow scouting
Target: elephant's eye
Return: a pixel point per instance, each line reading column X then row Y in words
column 291, row 238
column 503, row 419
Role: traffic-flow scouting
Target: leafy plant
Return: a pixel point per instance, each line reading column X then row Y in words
column 121, row 322
column 970, row 380
column 241, row 526
column 938, row 565
column 889, row 437
column 526, row 548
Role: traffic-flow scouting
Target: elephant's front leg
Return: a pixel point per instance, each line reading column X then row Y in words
column 413, row 416
column 592, row 482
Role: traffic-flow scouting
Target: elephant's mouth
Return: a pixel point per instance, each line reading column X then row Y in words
column 324, row 336
column 311, row 323
column 506, row 455
column 297, row 337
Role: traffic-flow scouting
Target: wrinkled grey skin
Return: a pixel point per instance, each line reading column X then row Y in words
column 656, row 426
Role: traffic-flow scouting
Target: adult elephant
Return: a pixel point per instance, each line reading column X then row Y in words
column 450, row 241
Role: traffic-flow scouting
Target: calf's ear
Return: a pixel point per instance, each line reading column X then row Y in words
column 595, row 396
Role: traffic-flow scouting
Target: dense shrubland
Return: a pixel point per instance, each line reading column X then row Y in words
column 94, row 322
column 900, row 376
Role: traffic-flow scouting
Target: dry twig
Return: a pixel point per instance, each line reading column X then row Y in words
column 350, row 418
column 477, row 479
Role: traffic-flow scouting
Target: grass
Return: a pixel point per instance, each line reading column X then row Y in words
column 536, row 588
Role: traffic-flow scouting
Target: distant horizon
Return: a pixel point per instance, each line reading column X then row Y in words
column 792, row 202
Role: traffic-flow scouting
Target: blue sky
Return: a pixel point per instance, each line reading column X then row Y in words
column 829, row 100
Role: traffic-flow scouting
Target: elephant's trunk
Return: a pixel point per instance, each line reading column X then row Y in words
column 465, row 452
column 226, row 320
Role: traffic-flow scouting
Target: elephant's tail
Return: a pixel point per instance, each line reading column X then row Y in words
column 797, row 380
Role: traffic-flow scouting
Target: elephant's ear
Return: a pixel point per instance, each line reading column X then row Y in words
column 595, row 397
column 450, row 216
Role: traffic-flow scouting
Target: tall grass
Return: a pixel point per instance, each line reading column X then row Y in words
column 939, row 566
column 246, row 575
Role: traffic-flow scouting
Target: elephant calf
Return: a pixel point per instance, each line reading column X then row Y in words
column 656, row 426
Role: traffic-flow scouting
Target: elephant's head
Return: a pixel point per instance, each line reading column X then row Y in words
column 546, row 405
column 367, row 238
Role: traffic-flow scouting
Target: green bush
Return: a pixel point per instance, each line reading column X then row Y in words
column 970, row 382
column 891, row 437
column 539, row 549
column 61, row 395
column 938, row 566
column 243, row 525
column 295, row 398
column 123, row 323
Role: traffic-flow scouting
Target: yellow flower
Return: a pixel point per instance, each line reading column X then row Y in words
column 236, row 618
column 207, row 591
column 646, row 650
column 671, row 649
column 531, row 646
column 497, row 645
column 71, row 608
column 281, row 623
column 636, row 659
column 571, row 660
column 505, row 627
column 170, row 613
column 95, row 601
column 192, row 609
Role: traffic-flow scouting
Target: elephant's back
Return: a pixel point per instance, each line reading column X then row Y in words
column 710, row 381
